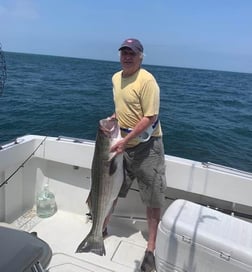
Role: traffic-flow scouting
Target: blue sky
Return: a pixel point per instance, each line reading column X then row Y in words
column 207, row 34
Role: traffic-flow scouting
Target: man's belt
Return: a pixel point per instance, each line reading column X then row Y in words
column 145, row 135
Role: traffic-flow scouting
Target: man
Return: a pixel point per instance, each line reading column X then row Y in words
column 137, row 99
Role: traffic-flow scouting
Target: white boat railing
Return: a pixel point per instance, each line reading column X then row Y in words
column 226, row 169
column 74, row 140
column 11, row 143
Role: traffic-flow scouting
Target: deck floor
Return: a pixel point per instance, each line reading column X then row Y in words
column 63, row 231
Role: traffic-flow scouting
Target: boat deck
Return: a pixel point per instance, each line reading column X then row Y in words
column 125, row 244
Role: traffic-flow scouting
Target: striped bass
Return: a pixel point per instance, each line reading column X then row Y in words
column 107, row 179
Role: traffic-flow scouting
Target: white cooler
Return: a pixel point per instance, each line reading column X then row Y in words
column 193, row 238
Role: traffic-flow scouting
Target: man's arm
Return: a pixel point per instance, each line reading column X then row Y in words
column 140, row 127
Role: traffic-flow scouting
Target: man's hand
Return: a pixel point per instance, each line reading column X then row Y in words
column 119, row 147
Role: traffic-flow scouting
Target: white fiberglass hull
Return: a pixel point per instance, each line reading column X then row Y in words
column 66, row 163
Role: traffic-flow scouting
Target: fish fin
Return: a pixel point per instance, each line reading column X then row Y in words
column 92, row 244
column 113, row 166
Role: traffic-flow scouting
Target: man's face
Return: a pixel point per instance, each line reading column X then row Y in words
column 130, row 61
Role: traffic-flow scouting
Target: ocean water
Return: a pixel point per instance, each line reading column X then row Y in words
column 206, row 115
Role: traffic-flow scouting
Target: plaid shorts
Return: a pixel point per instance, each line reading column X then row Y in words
column 145, row 163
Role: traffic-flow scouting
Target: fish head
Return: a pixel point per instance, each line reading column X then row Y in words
column 110, row 127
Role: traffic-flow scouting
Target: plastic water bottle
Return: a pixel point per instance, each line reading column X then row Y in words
column 46, row 204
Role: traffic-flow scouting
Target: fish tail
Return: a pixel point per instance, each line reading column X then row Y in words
column 93, row 244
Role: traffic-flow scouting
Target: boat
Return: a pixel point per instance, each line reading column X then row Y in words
column 204, row 193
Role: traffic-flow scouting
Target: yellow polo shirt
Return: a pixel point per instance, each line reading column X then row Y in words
column 134, row 97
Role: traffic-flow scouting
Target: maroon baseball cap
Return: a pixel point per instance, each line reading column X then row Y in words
column 133, row 44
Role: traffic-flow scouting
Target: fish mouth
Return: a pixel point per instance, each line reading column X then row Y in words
column 109, row 127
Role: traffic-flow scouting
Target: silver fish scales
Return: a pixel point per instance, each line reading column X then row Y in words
column 107, row 178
